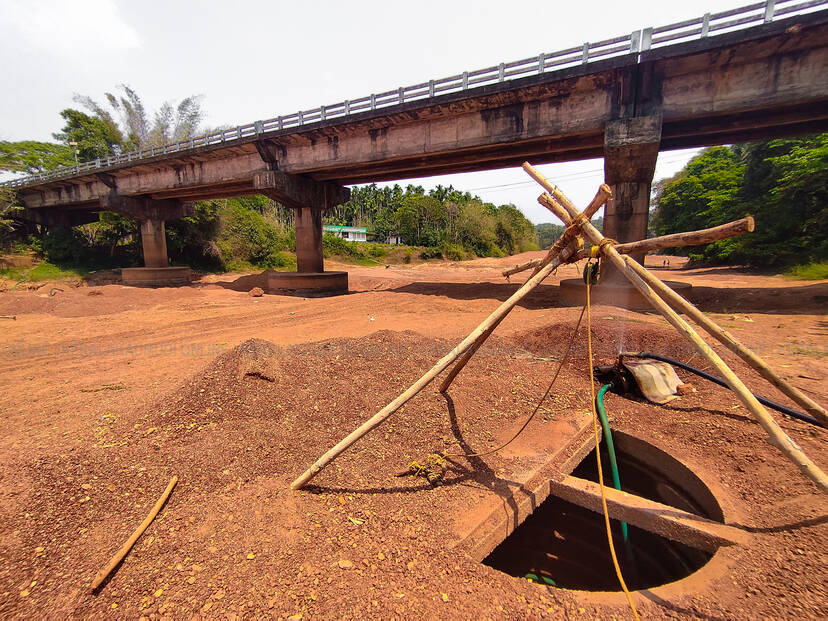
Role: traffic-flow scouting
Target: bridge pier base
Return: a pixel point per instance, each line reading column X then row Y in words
column 157, row 271
column 309, row 199
column 152, row 215
column 310, row 277
column 631, row 148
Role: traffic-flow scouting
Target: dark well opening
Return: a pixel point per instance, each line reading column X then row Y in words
column 564, row 545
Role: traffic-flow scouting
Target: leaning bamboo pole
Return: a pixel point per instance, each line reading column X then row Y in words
column 560, row 252
column 777, row 436
column 492, row 320
column 559, row 258
column 691, row 238
column 729, row 341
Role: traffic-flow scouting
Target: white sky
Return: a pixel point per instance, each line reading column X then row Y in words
column 259, row 59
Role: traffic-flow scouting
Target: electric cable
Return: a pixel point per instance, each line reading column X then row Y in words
column 718, row 380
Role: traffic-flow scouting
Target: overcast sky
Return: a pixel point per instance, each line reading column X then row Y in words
column 260, row 59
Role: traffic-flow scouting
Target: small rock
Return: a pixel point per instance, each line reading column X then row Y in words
column 255, row 292
column 345, row 564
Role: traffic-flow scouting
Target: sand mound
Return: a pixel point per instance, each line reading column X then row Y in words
column 254, row 358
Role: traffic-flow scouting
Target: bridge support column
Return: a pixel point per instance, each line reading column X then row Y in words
column 631, row 148
column 309, row 199
column 307, row 223
column 152, row 215
column 154, row 243
column 630, row 152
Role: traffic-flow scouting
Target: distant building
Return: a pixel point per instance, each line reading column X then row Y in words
column 351, row 233
column 394, row 238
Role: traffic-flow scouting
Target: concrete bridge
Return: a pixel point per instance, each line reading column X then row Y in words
column 745, row 74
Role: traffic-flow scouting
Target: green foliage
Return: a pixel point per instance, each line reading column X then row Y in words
column 782, row 183
column 333, row 245
column 446, row 221
column 193, row 240
column 33, row 157
column 95, row 137
column 245, row 234
column 513, row 232
column 9, row 216
column 811, row 271
column 65, row 246
column 42, row 271
column 548, row 233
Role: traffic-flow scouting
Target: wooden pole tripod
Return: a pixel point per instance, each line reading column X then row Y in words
column 632, row 270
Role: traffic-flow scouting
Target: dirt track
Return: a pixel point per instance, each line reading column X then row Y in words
column 97, row 389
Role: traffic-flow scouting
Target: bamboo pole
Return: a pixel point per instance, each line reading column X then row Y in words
column 729, row 341
column 124, row 550
column 561, row 257
column 691, row 238
column 378, row 418
column 777, row 436
column 560, row 252
column 522, row 267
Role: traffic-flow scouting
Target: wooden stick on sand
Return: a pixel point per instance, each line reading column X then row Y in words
column 120, row 554
column 691, row 238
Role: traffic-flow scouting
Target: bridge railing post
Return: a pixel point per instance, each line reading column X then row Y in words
column 646, row 39
column 635, row 41
column 770, row 6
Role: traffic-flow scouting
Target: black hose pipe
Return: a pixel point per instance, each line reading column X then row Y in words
column 717, row 380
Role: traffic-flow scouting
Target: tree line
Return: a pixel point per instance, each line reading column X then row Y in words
column 451, row 222
column 782, row 183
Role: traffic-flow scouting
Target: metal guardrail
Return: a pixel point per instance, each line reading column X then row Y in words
column 636, row 42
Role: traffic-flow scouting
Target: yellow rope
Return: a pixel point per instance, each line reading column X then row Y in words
column 598, row 459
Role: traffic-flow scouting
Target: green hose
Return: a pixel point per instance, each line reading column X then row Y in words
column 616, row 480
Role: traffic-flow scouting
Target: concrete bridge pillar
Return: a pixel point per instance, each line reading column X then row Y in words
column 631, row 148
column 309, row 199
column 630, row 152
column 308, row 227
column 154, row 243
column 152, row 215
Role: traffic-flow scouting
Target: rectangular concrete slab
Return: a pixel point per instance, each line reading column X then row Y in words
column 539, row 458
